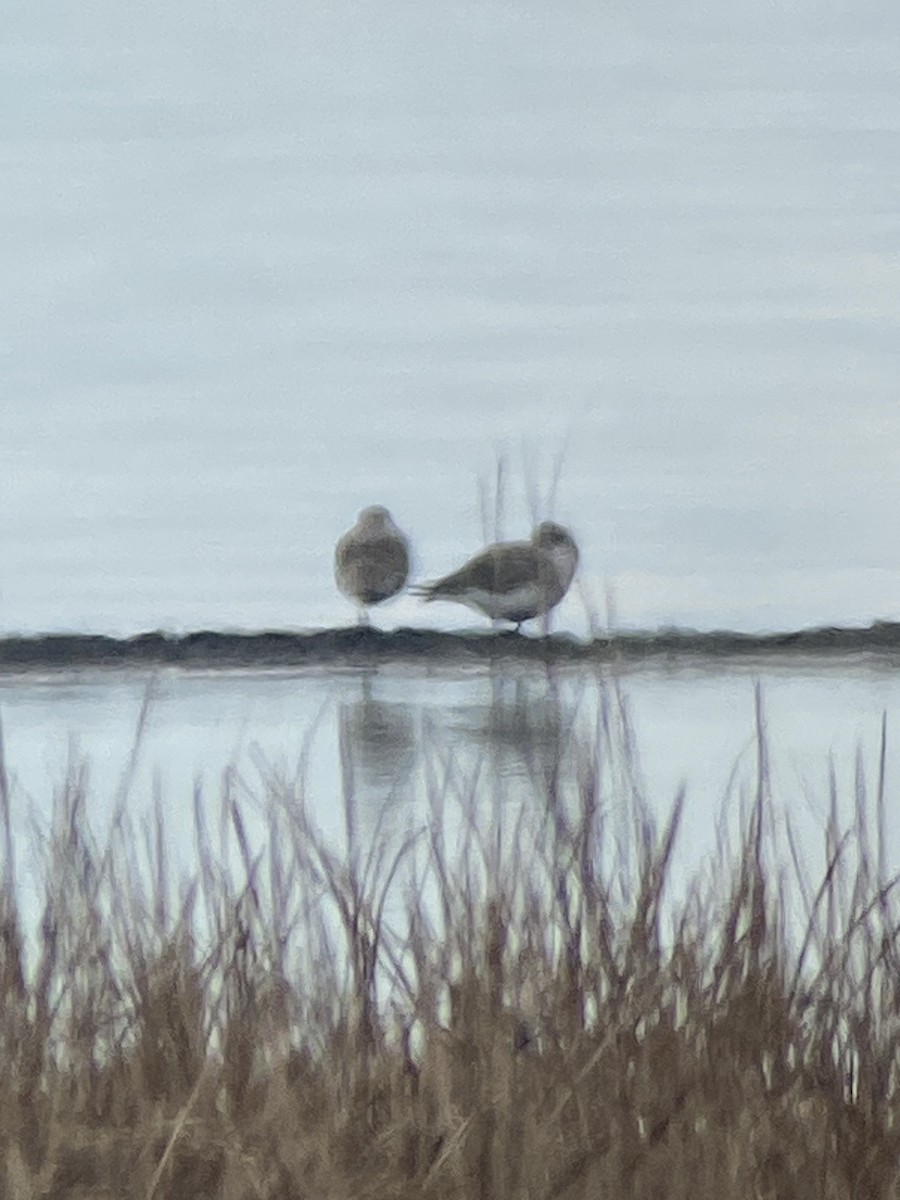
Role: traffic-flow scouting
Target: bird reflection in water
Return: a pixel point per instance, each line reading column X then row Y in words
column 377, row 740
column 515, row 739
column 524, row 729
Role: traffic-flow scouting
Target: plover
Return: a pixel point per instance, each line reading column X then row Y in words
column 371, row 560
column 513, row 581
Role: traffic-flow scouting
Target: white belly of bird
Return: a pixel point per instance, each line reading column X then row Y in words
column 527, row 601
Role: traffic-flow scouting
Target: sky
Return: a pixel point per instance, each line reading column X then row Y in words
column 264, row 266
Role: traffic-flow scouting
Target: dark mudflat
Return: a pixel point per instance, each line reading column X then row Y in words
column 208, row 649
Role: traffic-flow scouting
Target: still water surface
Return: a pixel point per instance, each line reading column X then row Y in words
column 392, row 738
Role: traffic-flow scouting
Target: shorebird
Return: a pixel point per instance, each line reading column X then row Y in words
column 371, row 560
column 512, row 581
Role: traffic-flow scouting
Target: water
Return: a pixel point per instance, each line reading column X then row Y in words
column 265, row 265
column 482, row 742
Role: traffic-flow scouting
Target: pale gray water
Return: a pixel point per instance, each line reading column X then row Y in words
column 265, row 264
column 477, row 737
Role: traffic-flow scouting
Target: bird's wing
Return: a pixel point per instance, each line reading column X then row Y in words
column 499, row 569
column 388, row 554
column 382, row 557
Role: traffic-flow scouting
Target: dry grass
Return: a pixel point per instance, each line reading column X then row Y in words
column 488, row 1006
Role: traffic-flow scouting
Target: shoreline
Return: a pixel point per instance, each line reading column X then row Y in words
column 211, row 649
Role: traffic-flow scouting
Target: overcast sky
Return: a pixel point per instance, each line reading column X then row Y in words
column 264, row 264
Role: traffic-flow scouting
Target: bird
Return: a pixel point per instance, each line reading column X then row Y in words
column 371, row 560
column 512, row 581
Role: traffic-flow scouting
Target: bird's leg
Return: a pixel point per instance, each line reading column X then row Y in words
column 362, row 617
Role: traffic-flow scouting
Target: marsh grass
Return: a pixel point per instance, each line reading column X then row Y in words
column 487, row 1004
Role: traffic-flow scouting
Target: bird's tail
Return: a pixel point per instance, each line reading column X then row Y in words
column 422, row 591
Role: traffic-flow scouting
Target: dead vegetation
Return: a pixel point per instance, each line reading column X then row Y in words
column 489, row 1005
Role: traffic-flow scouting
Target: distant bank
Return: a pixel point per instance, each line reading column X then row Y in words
column 209, row 650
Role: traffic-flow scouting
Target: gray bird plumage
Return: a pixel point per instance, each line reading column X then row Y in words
column 371, row 560
column 513, row 581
